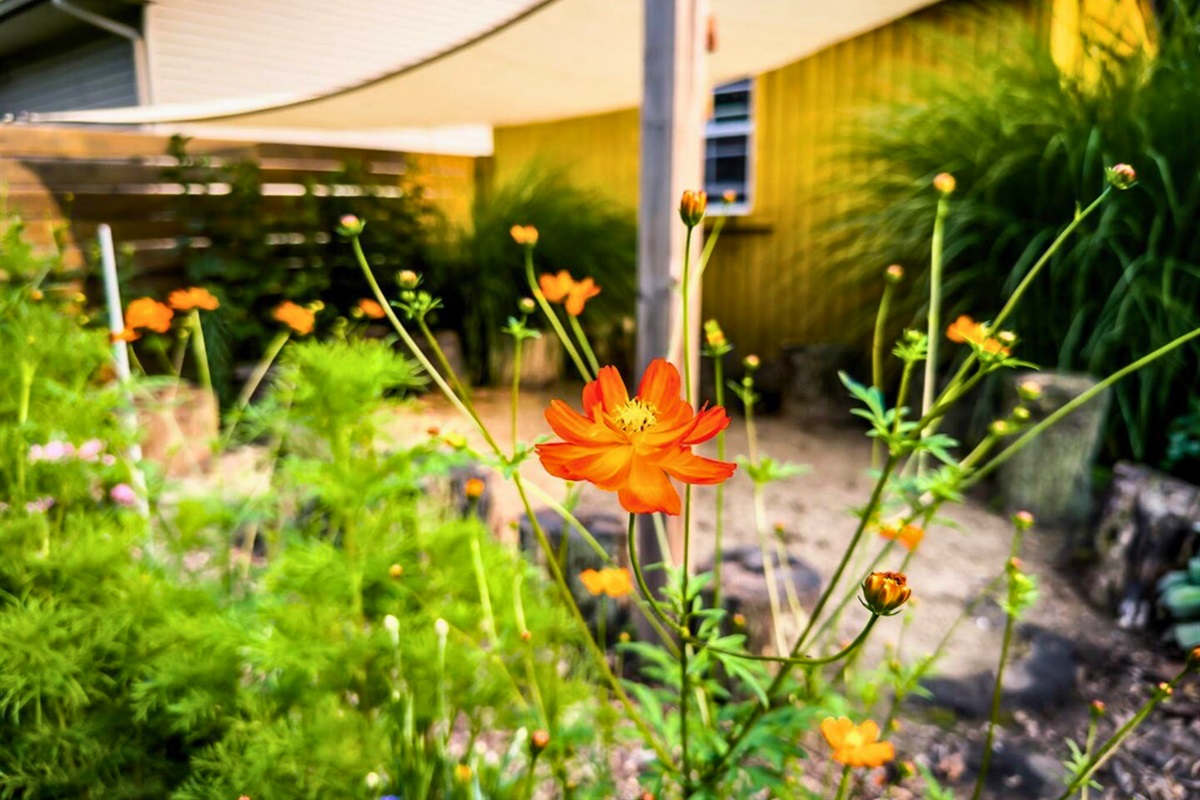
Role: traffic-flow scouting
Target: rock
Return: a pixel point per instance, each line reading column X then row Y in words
column 744, row 591
column 541, row 362
column 1051, row 476
column 1041, row 681
column 1149, row 526
column 812, row 391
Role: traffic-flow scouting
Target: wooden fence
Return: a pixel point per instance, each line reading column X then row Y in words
column 73, row 179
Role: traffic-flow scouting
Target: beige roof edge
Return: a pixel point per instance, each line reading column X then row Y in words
column 554, row 59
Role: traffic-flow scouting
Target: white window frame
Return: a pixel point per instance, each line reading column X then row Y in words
column 716, row 129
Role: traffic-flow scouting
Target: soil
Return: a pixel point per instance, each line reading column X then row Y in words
column 1066, row 655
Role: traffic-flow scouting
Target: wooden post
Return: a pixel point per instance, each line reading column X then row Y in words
column 674, row 103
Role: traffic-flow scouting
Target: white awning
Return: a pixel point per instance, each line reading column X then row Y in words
column 554, row 59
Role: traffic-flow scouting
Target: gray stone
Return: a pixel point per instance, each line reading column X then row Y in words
column 1052, row 475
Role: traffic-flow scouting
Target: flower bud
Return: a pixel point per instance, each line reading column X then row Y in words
column 713, row 335
column 1029, row 390
column 739, row 620
column 474, row 489
column 455, row 440
column 893, row 274
column 36, row 294
column 526, row 635
column 999, row 428
column 407, row 279
column 1006, row 338
column 729, row 196
column 525, row 235
column 1193, row 659
column 751, row 362
column 1165, row 689
column 944, row 182
column 692, row 207
column 350, row 226
column 538, row 741
column 1120, row 176
column 623, row 637
column 1020, row 414
column 1022, row 520
column 392, row 626
column 372, row 780
column 912, row 336
column 526, row 305
column 1097, row 708
column 885, row 592
column 395, row 570
column 441, row 628
column 462, row 772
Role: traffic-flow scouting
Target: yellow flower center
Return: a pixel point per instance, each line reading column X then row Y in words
column 636, row 416
column 854, row 739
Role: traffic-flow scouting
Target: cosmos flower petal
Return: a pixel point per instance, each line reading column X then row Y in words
column 709, row 423
column 835, row 730
column 648, row 490
column 574, row 427
column 604, row 465
column 609, row 390
column 660, row 386
column 683, row 465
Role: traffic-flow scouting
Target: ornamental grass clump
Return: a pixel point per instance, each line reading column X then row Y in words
column 722, row 720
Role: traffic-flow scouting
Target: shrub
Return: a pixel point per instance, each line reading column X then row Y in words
column 1023, row 142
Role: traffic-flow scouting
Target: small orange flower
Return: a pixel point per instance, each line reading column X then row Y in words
column 370, row 308
column 909, row 536
column 146, row 312
column 885, row 592
column 608, row 581
column 562, row 288
column 856, row 745
column 298, row 318
column 995, row 347
column 474, row 489
column 193, row 297
column 524, row 234
column 127, row 335
column 634, row 446
column 964, row 329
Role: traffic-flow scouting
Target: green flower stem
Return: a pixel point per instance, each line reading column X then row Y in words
column 710, row 244
column 253, row 382
column 552, row 317
column 1010, row 622
column 877, row 347
column 485, row 597
column 515, row 395
column 719, row 522
column 584, row 344
column 934, row 316
column 1087, row 752
column 717, row 765
column 760, row 526
column 555, row 570
column 527, row 649
column 686, row 566
column 844, row 784
column 180, row 351
column 1078, row 401
column 797, row 661
column 1013, row 299
column 200, row 350
column 442, row 361
column 636, row 563
column 1110, row 747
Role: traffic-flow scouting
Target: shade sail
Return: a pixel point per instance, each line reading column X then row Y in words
column 549, row 60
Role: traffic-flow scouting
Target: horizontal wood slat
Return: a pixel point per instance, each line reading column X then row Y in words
column 72, row 179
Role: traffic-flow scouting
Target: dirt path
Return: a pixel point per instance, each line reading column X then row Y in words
column 961, row 553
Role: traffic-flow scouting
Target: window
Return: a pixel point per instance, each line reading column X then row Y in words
column 728, row 148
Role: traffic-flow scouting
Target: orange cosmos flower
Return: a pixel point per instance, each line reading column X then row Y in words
column 127, row 335
column 909, row 536
column 965, row 329
column 298, row 318
column 634, row 446
column 526, row 235
column 608, row 581
column 146, row 312
column 370, row 308
column 194, row 297
column 562, row 288
column 856, row 745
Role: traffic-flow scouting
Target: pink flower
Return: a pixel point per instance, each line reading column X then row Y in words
column 123, row 494
column 108, row 459
column 36, row 453
column 57, row 451
column 90, row 450
column 39, row 506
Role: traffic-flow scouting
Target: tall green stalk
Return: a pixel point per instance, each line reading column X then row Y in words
column 934, row 326
column 552, row 317
column 719, row 522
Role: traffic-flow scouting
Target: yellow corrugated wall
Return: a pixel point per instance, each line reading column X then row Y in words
column 763, row 283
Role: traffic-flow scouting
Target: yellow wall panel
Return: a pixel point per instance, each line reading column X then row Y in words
column 763, row 283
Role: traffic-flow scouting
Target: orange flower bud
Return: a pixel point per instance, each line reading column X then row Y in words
column 1029, row 390
column 944, row 182
column 526, row 635
column 462, row 772
column 893, row 274
column 729, row 196
column 526, row 305
column 692, row 207
column 539, row 740
column 1097, row 708
column 370, row 308
column 474, row 489
column 36, row 294
column 885, row 592
column 751, row 362
column 525, row 235
column 1120, row 176
column 395, row 570
column 1023, row 520
column 1193, row 659
column 298, row 318
column 1165, row 689
column 408, row 279
column 739, row 620
column 350, row 226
